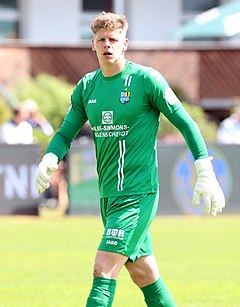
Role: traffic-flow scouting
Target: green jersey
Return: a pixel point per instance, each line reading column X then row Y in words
column 123, row 112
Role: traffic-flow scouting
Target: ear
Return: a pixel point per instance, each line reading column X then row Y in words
column 125, row 47
column 93, row 46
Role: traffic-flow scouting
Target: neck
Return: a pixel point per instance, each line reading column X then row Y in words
column 109, row 70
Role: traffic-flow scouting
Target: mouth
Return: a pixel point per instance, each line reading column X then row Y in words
column 107, row 53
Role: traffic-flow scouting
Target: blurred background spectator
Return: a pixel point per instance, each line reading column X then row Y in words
column 17, row 130
column 32, row 115
column 229, row 129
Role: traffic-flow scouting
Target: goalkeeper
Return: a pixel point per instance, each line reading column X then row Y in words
column 122, row 102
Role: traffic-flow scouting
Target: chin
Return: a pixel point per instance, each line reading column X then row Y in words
column 109, row 61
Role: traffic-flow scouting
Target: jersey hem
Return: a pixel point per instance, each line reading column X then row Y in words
column 127, row 193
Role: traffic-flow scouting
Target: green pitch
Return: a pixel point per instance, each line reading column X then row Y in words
column 48, row 262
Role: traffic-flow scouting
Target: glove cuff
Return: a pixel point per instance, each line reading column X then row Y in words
column 50, row 157
column 204, row 164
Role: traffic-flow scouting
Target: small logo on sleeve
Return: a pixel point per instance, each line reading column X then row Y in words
column 170, row 96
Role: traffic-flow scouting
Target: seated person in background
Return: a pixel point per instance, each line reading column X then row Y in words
column 35, row 118
column 229, row 129
column 17, row 130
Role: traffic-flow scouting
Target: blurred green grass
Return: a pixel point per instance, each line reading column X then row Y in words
column 48, row 261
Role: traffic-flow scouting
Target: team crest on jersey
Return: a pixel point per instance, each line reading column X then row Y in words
column 125, row 96
column 107, row 117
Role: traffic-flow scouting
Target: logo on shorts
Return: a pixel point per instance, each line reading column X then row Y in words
column 115, row 233
column 111, row 242
column 107, row 117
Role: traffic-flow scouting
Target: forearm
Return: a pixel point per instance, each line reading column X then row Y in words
column 58, row 146
column 62, row 140
column 191, row 133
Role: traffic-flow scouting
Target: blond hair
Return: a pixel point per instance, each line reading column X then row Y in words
column 109, row 21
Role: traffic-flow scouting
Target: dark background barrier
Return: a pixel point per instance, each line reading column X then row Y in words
column 18, row 164
column 177, row 178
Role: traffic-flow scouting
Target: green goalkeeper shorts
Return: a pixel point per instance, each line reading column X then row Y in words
column 126, row 220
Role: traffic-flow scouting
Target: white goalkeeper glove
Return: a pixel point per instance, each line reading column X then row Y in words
column 44, row 172
column 207, row 188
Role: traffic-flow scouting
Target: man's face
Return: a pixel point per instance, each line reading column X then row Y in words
column 109, row 46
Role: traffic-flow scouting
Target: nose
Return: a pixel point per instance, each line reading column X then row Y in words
column 107, row 43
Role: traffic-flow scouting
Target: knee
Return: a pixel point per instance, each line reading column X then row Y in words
column 108, row 265
column 106, row 269
column 99, row 270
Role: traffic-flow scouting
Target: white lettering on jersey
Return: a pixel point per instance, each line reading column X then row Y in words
column 90, row 101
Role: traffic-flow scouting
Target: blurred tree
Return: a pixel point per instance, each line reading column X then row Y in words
column 208, row 128
column 5, row 111
column 52, row 94
column 169, row 133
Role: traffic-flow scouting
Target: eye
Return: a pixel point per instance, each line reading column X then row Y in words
column 101, row 40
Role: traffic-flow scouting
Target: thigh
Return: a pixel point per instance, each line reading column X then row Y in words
column 127, row 220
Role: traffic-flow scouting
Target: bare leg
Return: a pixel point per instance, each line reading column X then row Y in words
column 108, row 264
column 106, row 269
column 143, row 271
